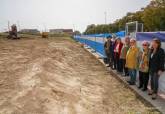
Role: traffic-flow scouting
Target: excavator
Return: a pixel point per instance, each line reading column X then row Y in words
column 45, row 34
column 13, row 32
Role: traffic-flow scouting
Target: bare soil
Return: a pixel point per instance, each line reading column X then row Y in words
column 57, row 76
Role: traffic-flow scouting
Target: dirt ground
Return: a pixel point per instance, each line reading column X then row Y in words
column 57, row 76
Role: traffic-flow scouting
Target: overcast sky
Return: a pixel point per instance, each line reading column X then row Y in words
column 64, row 13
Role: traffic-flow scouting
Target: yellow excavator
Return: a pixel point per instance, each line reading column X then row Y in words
column 45, row 34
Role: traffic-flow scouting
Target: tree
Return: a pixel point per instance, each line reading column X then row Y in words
column 77, row 32
column 153, row 17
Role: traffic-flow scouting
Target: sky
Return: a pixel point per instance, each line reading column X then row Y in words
column 74, row 14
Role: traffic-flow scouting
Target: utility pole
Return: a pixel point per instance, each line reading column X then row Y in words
column 9, row 26
column 74, row 28
column 105, row 13
column 18, row 26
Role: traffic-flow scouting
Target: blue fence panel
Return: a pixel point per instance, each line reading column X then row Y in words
column 100, row 48
column 120, row 34
column 91, row 43
column 81, row 40
column 97, row 46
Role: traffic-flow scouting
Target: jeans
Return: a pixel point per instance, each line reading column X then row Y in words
column 132, row 74
column 154, row 82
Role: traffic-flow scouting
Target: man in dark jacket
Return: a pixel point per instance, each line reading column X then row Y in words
column 107, row 46
column 113, row 43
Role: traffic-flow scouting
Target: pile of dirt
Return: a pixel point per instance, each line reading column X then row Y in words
column 57, row 76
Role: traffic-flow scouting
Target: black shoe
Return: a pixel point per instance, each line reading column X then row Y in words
column 144, row 89
column 128, row 82
column 132, row 83
column 140, row 87
column 150, row 93
column 126, row 75
column 154, row 96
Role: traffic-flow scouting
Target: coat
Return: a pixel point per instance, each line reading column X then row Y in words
column 144, row 61
column 132, row 58
column 119, row 52
column 157, row 61
column 124, row 51
column 107, row 45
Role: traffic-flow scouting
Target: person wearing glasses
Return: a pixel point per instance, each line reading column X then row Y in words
column 132, row 61
column 144, row 66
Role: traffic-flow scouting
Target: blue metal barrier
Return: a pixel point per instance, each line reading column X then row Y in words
column 97, row 46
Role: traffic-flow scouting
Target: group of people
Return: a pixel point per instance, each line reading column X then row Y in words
column 129, row 59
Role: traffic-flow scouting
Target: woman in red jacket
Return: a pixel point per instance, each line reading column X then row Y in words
column 117, row 51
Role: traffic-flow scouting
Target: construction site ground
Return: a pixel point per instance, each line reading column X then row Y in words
column 57, row 76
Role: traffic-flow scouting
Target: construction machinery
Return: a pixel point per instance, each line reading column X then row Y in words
column 13, row 32
column 45, row 34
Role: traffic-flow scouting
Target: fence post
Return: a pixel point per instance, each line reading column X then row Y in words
column 95, row 43
column 85, row 40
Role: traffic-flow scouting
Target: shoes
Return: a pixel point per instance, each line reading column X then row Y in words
column 150, row 93
column 128, row 82
column 126, row 75
column 154, row 96
column 144, row 89
column 131, row 83
column 140, row 87
column 113, row 68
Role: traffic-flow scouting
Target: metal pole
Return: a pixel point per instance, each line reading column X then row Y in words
column 136, row 28
column 142, row 27
column 74, row 28
column 18, row 26
column 9, row 26
column 95, row 38
column 126, row 29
